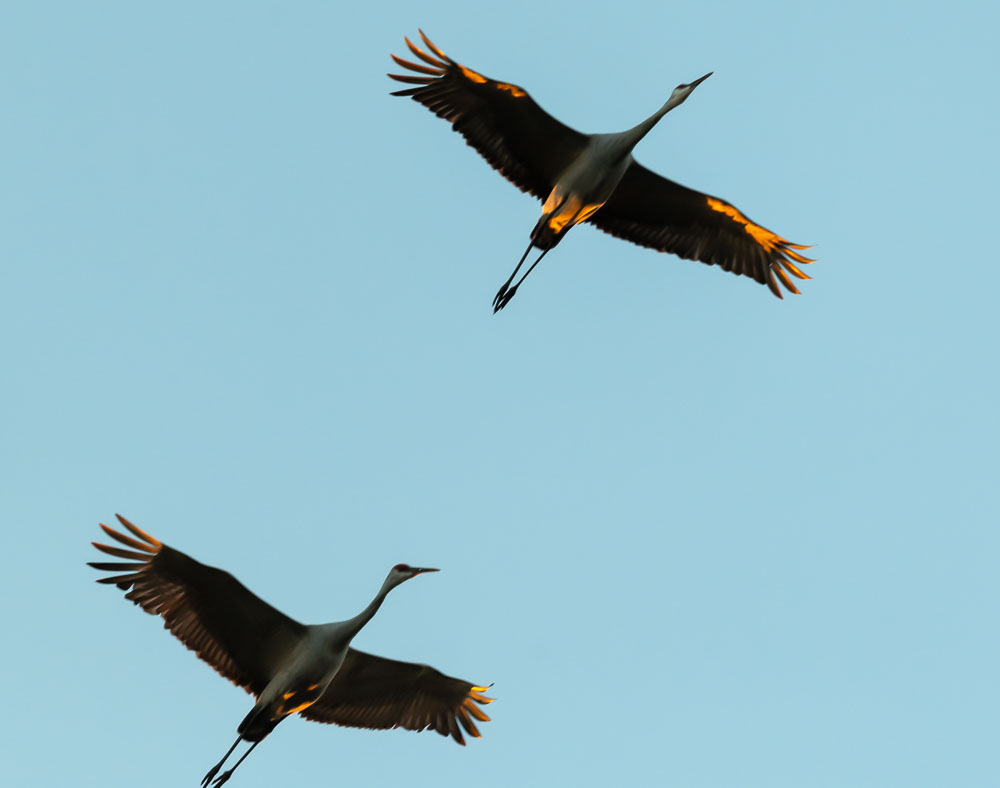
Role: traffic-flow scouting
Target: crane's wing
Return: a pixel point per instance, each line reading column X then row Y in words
column 517, row 137
column 207, row 609
column 374, row 692
column 650, row 210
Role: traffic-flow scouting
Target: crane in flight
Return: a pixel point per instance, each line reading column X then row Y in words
column 592, row 177
column 287, row 666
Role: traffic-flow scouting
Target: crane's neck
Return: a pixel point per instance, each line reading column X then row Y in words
column 636, row 133
column 354, row 625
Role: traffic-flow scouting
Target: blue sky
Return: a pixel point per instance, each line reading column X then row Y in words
column 696, row 536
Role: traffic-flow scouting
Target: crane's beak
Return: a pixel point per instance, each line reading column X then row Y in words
column 419, row 570
column 700, row 80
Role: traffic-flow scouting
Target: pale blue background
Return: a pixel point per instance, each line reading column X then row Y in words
column 697, row 536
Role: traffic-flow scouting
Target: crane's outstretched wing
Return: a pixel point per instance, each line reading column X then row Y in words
column 517, row 137
column 374, row 692
column 650, row 210
column 207, row 609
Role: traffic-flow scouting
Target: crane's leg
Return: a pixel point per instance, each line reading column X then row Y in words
column 507, row 292
column 212, row 772
column 227, row 774
column 503, row 289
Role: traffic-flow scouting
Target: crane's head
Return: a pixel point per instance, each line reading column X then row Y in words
column 681, row 92
column 400, row 573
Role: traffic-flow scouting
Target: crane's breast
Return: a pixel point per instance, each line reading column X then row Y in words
column 560, row 212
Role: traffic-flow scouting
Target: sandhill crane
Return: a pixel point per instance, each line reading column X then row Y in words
column 592, row 177
column 289, row 667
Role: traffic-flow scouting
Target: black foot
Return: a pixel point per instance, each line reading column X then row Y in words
column 223, row 777
column 211, row 773
column 503, row 297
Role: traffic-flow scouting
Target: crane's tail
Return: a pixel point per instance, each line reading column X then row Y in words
column 259, row 722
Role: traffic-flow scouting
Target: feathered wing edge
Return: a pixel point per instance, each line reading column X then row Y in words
column 381, row 694
column 446, row 725
column 500, row 120
column 650, row 210
column 203, row 618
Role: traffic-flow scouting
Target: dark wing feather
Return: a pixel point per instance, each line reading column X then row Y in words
column 374, row 692
column 207, row 609
column 500, row 120
column 650, row 210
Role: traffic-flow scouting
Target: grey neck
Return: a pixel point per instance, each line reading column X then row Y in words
column 636, row 133
column 355, row 625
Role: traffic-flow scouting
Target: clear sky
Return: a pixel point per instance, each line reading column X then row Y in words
column 695, row 535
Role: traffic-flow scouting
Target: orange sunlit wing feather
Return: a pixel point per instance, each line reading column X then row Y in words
column 500, row 120
column 207, row 609
column 652, row 211
column 374, row 692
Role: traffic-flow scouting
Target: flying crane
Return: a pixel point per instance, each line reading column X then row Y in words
column 592, row 177
column 290, row 668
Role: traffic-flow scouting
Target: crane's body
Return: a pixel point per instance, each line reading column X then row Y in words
column 302, row 680
column 309, row 667
column 592, row 177
column 289, row 667
column 584, row 187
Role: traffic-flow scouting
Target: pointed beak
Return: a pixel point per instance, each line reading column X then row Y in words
column 419, row 570
column 701, row 79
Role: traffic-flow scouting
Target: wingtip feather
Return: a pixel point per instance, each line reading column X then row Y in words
column 116, row 566
column 773, row 285
column 798, row 257
column 475, row 711
column 424, row 56
column 430, row 45
column 785, row 280
column 411, row 79
column 468, row 724
column 122, row 581
column 139, row 532
column 118, row 552
column 127, row 540
column 794, row 270
column 437, row 72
